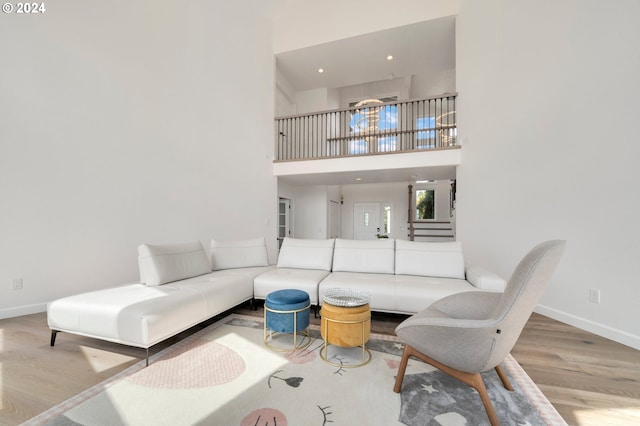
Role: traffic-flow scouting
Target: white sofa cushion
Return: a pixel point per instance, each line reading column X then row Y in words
column 415, row 293
column 485, row 280
column 430, row 259
column 371, row 256
column 160, row 264
column 281, row 278
column 379, row 286
column 238, row 254
column 407, row 294
column 306, row 254
column 221, row 290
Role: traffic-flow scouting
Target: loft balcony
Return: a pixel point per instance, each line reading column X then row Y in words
column 371, row 136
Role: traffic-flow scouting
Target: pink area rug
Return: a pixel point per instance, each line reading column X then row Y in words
column 224, row 375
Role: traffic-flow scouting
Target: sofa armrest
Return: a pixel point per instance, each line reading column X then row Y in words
column 483, row 279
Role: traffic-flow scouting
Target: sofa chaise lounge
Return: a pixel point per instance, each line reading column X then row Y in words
column 177, row 290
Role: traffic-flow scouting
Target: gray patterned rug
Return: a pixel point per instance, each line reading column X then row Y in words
column 224, row 375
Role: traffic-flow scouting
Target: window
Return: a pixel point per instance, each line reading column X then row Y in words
column 425, row 138
column 372, row 122
column 386, row 219
column 425, row 204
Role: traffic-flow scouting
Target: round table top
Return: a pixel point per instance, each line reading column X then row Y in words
column 345, row 297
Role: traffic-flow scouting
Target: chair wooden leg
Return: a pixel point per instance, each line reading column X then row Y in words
column 503, row 378
column 472, row 379
column 478, row 384
column 403, row 367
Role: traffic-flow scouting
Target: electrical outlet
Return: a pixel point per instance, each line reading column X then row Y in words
column 16, row 284
column 594, row 295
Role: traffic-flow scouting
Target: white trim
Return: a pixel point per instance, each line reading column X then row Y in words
column 605, row 331
column 23, row 310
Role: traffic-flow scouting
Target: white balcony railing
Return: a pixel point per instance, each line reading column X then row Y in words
column 370, row 127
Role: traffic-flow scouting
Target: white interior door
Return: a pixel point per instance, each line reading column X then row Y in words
column 284, row 219
column 366, row 221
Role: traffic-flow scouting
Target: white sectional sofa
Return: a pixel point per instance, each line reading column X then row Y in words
column 180, row 286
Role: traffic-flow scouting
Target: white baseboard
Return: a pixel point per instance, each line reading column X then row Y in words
column 22, row 310
column 610, row 333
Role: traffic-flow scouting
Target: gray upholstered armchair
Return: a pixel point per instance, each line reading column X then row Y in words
column 466, row 334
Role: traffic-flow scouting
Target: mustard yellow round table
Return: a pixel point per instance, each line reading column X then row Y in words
column 346, row 322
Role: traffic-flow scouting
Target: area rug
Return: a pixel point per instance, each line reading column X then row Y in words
column 224, row 375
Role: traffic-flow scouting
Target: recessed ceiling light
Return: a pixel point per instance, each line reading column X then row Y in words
column 358, row 179
column 389, row 57
column 320, row 70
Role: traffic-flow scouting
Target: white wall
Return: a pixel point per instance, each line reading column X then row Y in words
column 312, row 100
column 547, row 115
column 310, row 212
column 310, row 208
column 426, row 85
column 119, row 126
column 285, row 96
column 303, row 23
column 378, row 89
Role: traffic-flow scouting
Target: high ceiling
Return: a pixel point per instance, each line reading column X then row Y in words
column 423, row 48
column 418, row 49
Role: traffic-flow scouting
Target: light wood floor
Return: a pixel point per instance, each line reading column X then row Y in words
column 590, row 380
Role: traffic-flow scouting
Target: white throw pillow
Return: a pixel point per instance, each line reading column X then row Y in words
column 161, row 264
column 306, row 254
column 370, row 256
column 430, row 259
column 239, row 253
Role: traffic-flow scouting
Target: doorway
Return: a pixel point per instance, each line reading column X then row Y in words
column 334, row 219
column 284, row 220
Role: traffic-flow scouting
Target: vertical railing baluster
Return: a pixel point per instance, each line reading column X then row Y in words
column 323, row 129
column 278, row 139
column 454, row 125
column 306, row 138
column 432, row 128
column 290, row 140
column 299, row 142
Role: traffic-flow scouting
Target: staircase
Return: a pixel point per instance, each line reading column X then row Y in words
column 431, row 231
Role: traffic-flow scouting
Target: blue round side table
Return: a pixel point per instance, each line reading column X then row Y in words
column 287, row 312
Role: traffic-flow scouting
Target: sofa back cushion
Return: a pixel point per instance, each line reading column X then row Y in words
column 430, row 259
column 306, row 254
column 370, row 256
column 239, row 253
column 160, row 264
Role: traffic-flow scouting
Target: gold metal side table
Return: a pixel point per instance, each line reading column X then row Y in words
column 346, row 322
